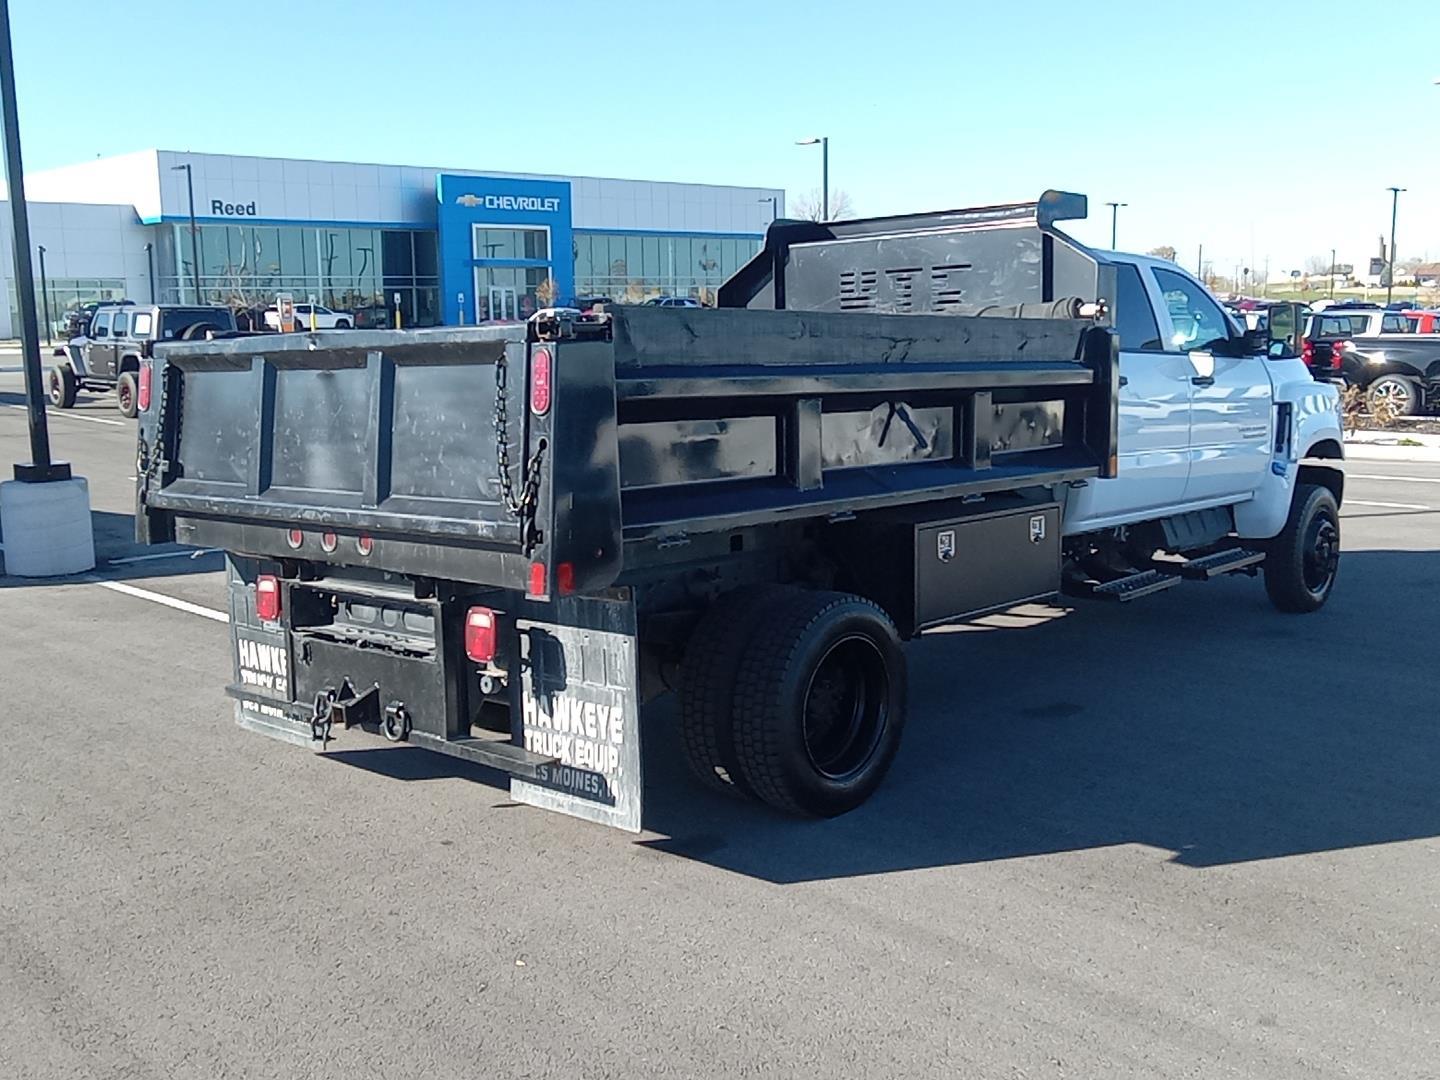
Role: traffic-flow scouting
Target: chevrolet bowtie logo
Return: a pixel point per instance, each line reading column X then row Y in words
column 470, row 200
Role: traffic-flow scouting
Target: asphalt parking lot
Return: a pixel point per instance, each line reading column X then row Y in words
column 1189, row 837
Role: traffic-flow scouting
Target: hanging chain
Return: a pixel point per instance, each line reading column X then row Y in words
column 524, row 506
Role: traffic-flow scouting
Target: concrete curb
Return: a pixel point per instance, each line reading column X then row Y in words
column 1387, row 446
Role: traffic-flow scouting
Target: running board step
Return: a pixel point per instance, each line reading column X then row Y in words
column 1222, row 562
column 1135, row 586
column 504, row 756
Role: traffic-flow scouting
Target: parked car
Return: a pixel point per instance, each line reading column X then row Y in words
column 1423, row 322
column 324, row 318
column 1379, row 351
column 116, row 352
column 77, row 320
column 673, row 301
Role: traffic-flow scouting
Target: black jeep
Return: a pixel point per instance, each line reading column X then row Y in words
column 119, row 338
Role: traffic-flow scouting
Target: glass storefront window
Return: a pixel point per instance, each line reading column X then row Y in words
column 635, row 267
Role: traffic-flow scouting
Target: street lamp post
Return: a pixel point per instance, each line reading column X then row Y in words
column 44, row 293
column 40, row 466
column 194, row 232
column 823, row 141
column 1114, row 221
column 1394, row 211
column 150, row 267
column 1332, row 273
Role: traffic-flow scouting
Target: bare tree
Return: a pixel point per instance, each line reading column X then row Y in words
column 810, row 206
column 1318, row 265
column 1164, row 251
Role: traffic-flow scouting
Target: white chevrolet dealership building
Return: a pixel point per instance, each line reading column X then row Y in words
column 438, row 246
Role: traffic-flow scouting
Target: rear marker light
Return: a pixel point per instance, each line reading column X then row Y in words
column 565, row 578
column 267, row 597
column 537, row 579
column 480, row 635
column 364, row 545
column 146, row 375
column 329, row 541
column 540, row 382
column 295, row 538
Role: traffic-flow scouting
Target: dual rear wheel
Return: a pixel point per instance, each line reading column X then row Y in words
column 795, row 697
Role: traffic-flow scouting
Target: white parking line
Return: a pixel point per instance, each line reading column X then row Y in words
column 162, row 555
column 1388, row 506
column 1398, row 479
column 160, row 598
column 74, row 416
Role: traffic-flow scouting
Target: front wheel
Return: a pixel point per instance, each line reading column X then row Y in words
column 342, row 324
column 1396, row 395
column 1301, row 565
column 61, row 386
column 819, row 703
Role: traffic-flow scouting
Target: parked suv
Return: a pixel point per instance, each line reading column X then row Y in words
column 325, row 319
column 119, row 339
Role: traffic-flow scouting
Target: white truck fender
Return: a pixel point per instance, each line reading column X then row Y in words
column 1309, row 425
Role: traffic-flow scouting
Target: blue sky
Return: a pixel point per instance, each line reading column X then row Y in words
column 1257, row 129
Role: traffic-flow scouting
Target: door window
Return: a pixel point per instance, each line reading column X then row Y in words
column 121, row 324
column 1396, row 324
column 143, row 325
column 100, row 327
column 1134, row 317
column 1197, row 320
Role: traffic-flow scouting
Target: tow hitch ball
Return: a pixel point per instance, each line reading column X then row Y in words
column 395, row 724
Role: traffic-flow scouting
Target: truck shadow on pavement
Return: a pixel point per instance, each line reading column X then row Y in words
column 1200, row 722
column 119, row 558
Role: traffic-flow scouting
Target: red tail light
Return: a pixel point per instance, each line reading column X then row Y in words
column 540, row 382
column 1337, row 353
column 565, row 578
column 538, row 579
column 364, row 545
column 480, row 634
column 329, row 541
column 146, row 374
column 1307, row 352
column 267, row 597
column 295, row 538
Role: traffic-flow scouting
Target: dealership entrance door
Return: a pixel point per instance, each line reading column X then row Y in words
column 504, row 304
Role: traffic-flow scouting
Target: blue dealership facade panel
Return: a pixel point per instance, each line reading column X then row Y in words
column 506, row 246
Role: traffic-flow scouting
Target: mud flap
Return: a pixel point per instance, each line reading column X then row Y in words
column 579, row 701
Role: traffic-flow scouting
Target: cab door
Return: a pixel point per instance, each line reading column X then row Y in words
column 100, row 349
column 1154, row 406
column 1231, row 400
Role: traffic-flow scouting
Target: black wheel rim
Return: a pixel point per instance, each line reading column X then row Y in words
column 846, row 708
column 124, row 395
column 1322, row 552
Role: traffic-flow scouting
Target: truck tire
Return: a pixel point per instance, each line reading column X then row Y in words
column 1302, row 562
column 1397, row 392
column 707, row 684
column 819, row 704
column 61, row 386
column 127, row 395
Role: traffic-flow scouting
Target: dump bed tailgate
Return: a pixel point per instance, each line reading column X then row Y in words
column 386, row 447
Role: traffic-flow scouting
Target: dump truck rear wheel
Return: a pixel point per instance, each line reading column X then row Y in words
column 707, row 684
column 819, row 704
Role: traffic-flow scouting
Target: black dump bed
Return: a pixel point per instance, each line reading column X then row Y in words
column 392, row 450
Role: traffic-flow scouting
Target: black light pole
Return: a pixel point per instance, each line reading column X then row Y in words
column 150, row 266
column 1114, row 221
column 1394, row 211
column 194, row 232
column 44, row 293
column 39, row 468
column 824, row 143
column 1332, row 273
